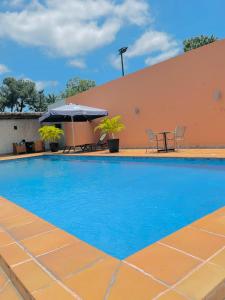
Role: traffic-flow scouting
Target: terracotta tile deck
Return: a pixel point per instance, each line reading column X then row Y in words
column 191, row 153
column 52, row 264
column 43, row 262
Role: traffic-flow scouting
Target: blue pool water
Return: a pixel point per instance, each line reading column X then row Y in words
column 119, row 205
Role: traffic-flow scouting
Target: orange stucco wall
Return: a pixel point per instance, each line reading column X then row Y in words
column 182, row 90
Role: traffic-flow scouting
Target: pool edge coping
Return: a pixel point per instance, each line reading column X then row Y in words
column 140, row 154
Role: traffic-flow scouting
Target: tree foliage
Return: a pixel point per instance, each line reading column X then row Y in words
column 77, row 85
column 42, row 101
column 17, row 95
column 198, row 41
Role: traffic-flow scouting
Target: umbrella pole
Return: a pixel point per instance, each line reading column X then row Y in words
column 73, row 132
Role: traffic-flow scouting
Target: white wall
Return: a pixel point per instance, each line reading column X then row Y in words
column 26, row 129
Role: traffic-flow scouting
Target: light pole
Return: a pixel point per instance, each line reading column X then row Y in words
column 121, row 51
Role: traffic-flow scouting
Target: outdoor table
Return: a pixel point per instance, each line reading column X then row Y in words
column 165, row 142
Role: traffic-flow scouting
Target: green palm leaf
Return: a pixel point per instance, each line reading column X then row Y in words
column 110, row 125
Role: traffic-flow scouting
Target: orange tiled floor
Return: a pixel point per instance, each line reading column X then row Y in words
column 198, row 153
column 207, row 153
column 48, row 263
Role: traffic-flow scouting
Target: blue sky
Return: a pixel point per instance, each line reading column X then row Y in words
column 51, row 41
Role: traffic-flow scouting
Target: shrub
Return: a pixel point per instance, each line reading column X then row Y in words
column 50, row 133
column 198, row 41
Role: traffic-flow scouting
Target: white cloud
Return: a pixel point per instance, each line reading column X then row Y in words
column 69, row 28
column 77, row 63
column 115, row 61
column 41, row 85
column 151, row 41
column 3, row 69
column 161, row 57
column 155, row 46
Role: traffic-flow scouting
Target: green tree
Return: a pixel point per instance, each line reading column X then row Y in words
column 51, row 98
column 198, row 41
column 3, row 101
column 38, row 103
column 77, row 85
column 41, row 102
column 19, row 94
column 16, row 94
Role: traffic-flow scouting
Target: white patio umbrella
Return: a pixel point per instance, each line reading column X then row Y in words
column 72, row 113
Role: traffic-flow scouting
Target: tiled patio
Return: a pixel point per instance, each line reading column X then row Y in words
column 198, row 153
column 191, row 153
column 46, row 263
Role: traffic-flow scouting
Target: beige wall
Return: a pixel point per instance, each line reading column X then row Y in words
column 26, row 129
column 178, row 91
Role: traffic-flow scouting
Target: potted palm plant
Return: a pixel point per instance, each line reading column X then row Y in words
column 51, row 134
column 111, row 126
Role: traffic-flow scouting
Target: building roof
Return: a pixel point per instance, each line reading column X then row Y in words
column 20, row 115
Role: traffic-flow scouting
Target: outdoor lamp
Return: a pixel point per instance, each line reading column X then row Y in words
column 121, row 51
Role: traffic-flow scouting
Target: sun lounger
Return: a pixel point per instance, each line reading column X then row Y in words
column 100, row 145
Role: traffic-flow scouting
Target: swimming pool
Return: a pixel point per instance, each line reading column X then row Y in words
column 119, row 205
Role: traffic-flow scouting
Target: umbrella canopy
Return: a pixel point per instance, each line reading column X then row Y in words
column 73, row 113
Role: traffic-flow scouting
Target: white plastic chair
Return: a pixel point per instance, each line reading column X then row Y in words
column 153, row 139
column 179, row 135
